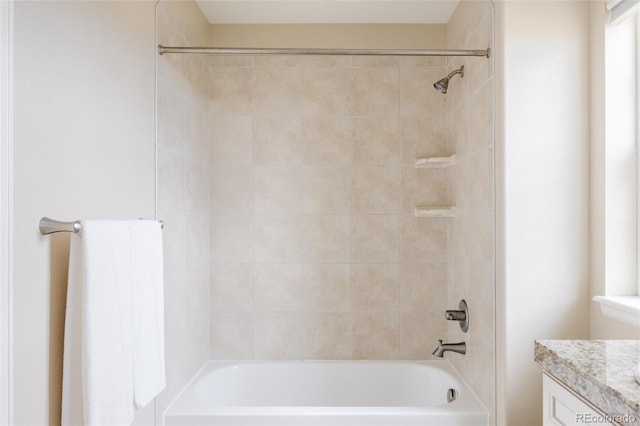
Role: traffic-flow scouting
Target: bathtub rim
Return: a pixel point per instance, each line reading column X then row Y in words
column 467, row 404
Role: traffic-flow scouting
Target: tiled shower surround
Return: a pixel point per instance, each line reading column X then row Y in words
column 472, row 244
column 287, row 185
column 315, row 249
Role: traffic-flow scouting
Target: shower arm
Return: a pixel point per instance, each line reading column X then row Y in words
column 455, row 72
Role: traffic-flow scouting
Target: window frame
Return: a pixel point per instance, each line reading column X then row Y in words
column 620, row 200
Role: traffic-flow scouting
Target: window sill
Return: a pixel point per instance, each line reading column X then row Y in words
column 625, row 309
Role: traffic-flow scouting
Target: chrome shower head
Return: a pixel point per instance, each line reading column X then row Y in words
column 443, row 84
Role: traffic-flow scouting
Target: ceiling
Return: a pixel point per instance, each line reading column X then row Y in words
column 328, row 11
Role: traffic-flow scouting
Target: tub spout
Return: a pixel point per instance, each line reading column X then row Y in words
column 460, row 348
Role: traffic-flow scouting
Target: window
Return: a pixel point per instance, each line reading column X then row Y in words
column 621, row 197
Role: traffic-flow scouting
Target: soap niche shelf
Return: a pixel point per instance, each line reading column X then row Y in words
column 435, row 162
column 435, row 211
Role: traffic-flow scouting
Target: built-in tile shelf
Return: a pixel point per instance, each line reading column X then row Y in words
column 435, row 162
column 435, row 211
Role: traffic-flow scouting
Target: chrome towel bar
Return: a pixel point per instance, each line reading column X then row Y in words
column 50, row 226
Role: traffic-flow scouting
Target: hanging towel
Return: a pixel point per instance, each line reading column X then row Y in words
column 98, row 361
column 114, row 326
column 72, row 410
column 148, row 311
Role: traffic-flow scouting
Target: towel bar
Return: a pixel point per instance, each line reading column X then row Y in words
column 50, row 226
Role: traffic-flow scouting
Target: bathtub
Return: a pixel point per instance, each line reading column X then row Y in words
column 327, row 393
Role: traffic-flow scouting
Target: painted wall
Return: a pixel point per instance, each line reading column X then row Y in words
column 83, row 148
column 347, row 36
column 472, row 247
column 542, row 147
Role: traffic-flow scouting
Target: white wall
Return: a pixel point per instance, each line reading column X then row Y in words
column 542, row 144
column 84, row 148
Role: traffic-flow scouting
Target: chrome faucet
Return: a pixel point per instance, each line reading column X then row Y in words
column 460, row 348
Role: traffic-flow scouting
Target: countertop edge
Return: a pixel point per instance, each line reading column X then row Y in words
column 599, row 394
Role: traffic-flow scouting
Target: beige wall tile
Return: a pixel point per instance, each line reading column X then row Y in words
column 480, row 128
column 376, row 335
column 328, row 335
column 326, row 190
column 232, row 287
column 423, row 287
column 376, row 140
column 375, row 190
column 375, row 90
column 276, row 91
column 232, row 335
column 231, row 190
column 375, row 61
column 458, row 125
column 424, row 137
column 375, row 238
column 278, row 335
column 424, row 241
column 480, row 187
column 277, row 189
column 196, row 187
column 419, row 334
column 222, row 61
column 170, row 175
column 319, row 152
column 325, row 91
column 325, row 61
column 418, row 97
column 232, row 140
column 423, row 62
column 425, row 187
column 276, row 61
column 232, row 238
column 197, row 236
column 278, row 140
column 375, row 286
column 172, row 110
column 278, row 286
column 326, row 287
column 277, row 238
column 470, row 121
column 325, row 238
column 327, row 140
column 230, row 90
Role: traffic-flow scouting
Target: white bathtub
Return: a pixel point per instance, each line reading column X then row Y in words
column 326, row 393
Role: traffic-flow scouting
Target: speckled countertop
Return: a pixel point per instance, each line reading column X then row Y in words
column 599, row 370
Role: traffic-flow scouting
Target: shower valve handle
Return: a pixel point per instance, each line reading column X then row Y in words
column 455, row 315
column 461, row 315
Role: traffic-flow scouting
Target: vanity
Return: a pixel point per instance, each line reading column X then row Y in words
column 589, row 381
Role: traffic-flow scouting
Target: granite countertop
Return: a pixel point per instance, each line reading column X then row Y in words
column 599, row 370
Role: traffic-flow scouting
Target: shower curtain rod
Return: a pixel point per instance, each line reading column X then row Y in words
column 293, row 51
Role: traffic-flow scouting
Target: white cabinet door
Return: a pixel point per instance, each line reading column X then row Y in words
column 563, row 407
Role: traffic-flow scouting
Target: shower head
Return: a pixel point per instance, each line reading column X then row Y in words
column 441, row 85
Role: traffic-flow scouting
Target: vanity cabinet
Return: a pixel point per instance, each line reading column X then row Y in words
column 563, row 407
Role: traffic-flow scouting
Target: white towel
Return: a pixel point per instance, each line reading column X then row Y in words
column 72, row 409
column 114, row 284
column 148, row 358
